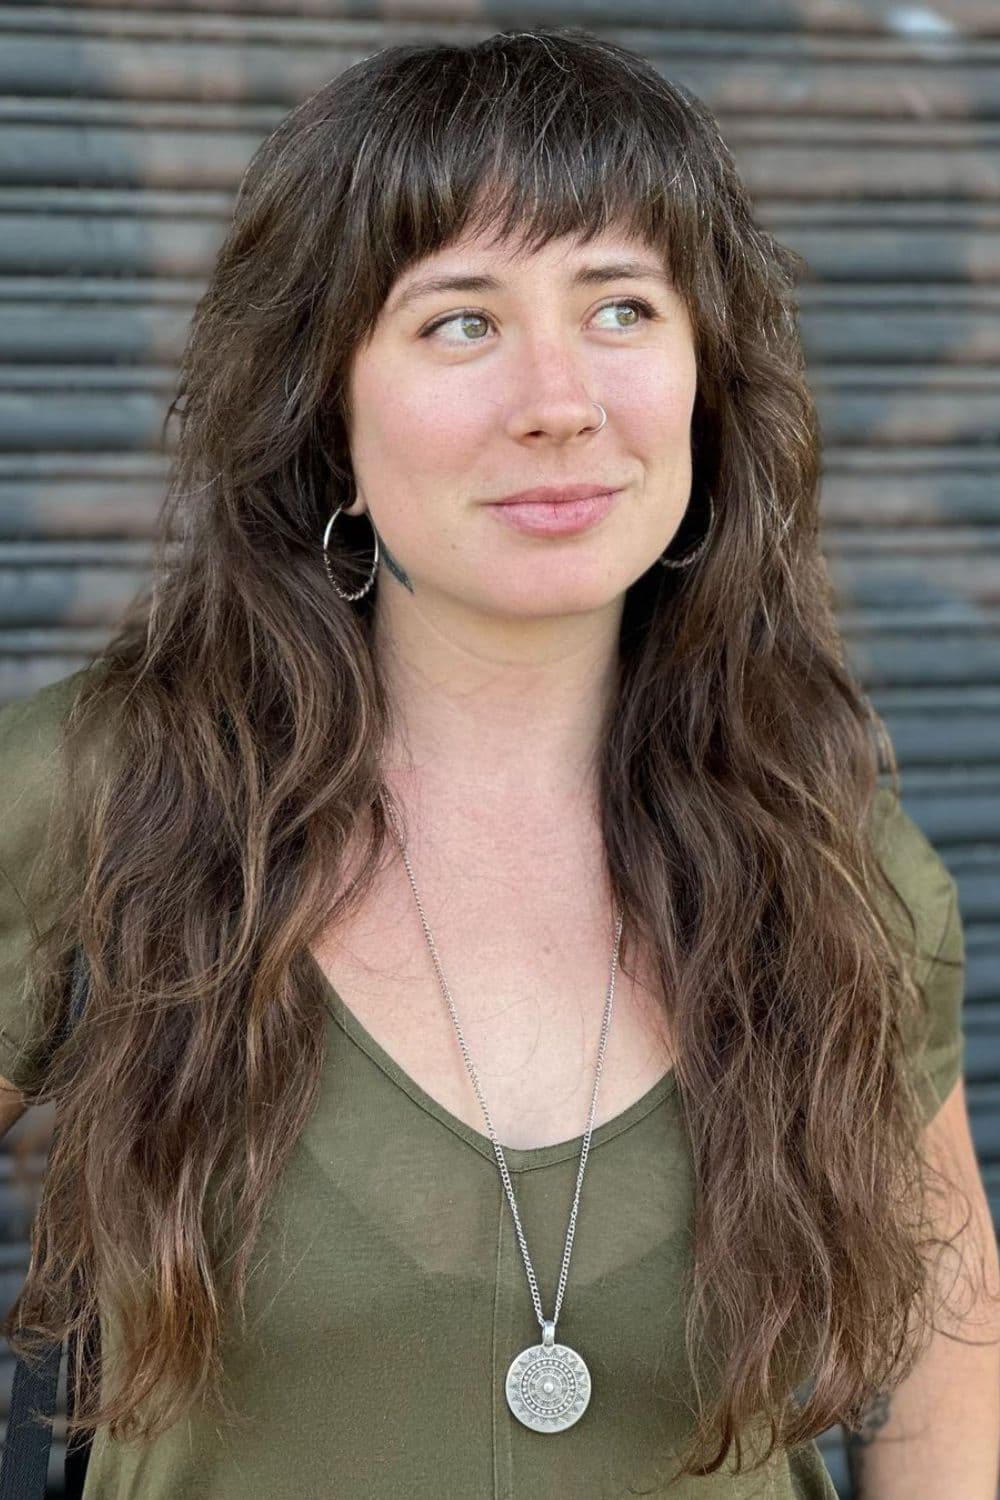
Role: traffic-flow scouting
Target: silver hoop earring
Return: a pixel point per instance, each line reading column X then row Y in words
column 693, row 556
column 326, row 561
column 604, row 415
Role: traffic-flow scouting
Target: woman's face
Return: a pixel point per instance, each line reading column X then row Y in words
column 464, row 395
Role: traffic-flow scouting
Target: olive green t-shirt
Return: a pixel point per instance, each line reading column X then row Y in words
column 389, row 1295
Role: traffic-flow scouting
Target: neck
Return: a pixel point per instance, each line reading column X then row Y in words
column 495, row 713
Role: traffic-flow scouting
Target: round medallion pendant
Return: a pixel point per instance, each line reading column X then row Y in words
column 548, row 1386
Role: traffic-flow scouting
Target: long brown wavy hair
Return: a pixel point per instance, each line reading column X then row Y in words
column 223, row 748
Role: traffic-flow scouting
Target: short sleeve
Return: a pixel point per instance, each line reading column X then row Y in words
column 930, row 892
column 29, row 770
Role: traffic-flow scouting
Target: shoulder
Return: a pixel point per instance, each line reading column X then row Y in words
column 30, row 768
column 929, row 893
column 916, row 871
column 30, row 781
column 31, row 725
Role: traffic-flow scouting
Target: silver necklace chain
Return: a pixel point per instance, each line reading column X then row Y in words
column 498, row 1149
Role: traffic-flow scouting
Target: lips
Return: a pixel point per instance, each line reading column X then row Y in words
column 546, row 518
column 556, row 494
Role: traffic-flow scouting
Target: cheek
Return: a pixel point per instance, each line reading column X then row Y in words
column 653, row 396
column 407, row 427
column 387, row 415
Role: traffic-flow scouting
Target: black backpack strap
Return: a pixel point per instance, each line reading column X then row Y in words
column 24, row 1465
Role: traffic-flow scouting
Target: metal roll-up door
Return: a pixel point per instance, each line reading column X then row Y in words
column 869, row 135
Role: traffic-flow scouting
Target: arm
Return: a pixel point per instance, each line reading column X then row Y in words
column 938, row 1433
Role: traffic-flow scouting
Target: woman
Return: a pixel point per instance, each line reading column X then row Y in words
column 467, row 883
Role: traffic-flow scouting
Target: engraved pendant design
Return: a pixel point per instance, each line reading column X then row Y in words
column 548, row 1385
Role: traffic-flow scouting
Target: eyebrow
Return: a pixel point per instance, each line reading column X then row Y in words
column 617, row 270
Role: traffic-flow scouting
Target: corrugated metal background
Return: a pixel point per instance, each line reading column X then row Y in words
column 869, row 135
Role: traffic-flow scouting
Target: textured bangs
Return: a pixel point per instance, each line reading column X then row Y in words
column 474, row 140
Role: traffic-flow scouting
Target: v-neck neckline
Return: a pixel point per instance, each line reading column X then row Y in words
column 518, row 1159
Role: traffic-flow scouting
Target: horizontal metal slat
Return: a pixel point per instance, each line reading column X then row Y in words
column 963, row 737
column 921, row 541
column 935, row 34
column 105, row 156
column 816, row 301
column 852, row 414
column 927, row 211
column 879, row 552
column 77, row 553
column 190, row 203
column 37, row 508
column 832, row 383
column 55, row 379
column 84, row 328
column 982, row 974
column 125, row 420
column 88, row 595
column 981, row 1025
column 257, row 97
column 772, row 73
column 909, row 490
column 915, row 590
column 43, row 505
column 110, row 246
column 26, row 672
column 956, row 812
column 66, row 407
column 60, row 464
column 897, row 660
column 850, row 464
column 955, row 576
column 210, row 110
column 978, row 885
column 953, row 780
column 903, row 379
column 863, row 332
column 33, row 655
column 166, row 232
column 931, row 699
column 984, row 1110
column 925, row 253
column 839, row 383
column 84, row 293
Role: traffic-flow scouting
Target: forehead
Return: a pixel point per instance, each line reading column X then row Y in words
column 480, row 262
column 482, row 245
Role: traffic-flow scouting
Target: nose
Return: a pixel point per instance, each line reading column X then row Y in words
column 559, row 417
column 557, row 400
